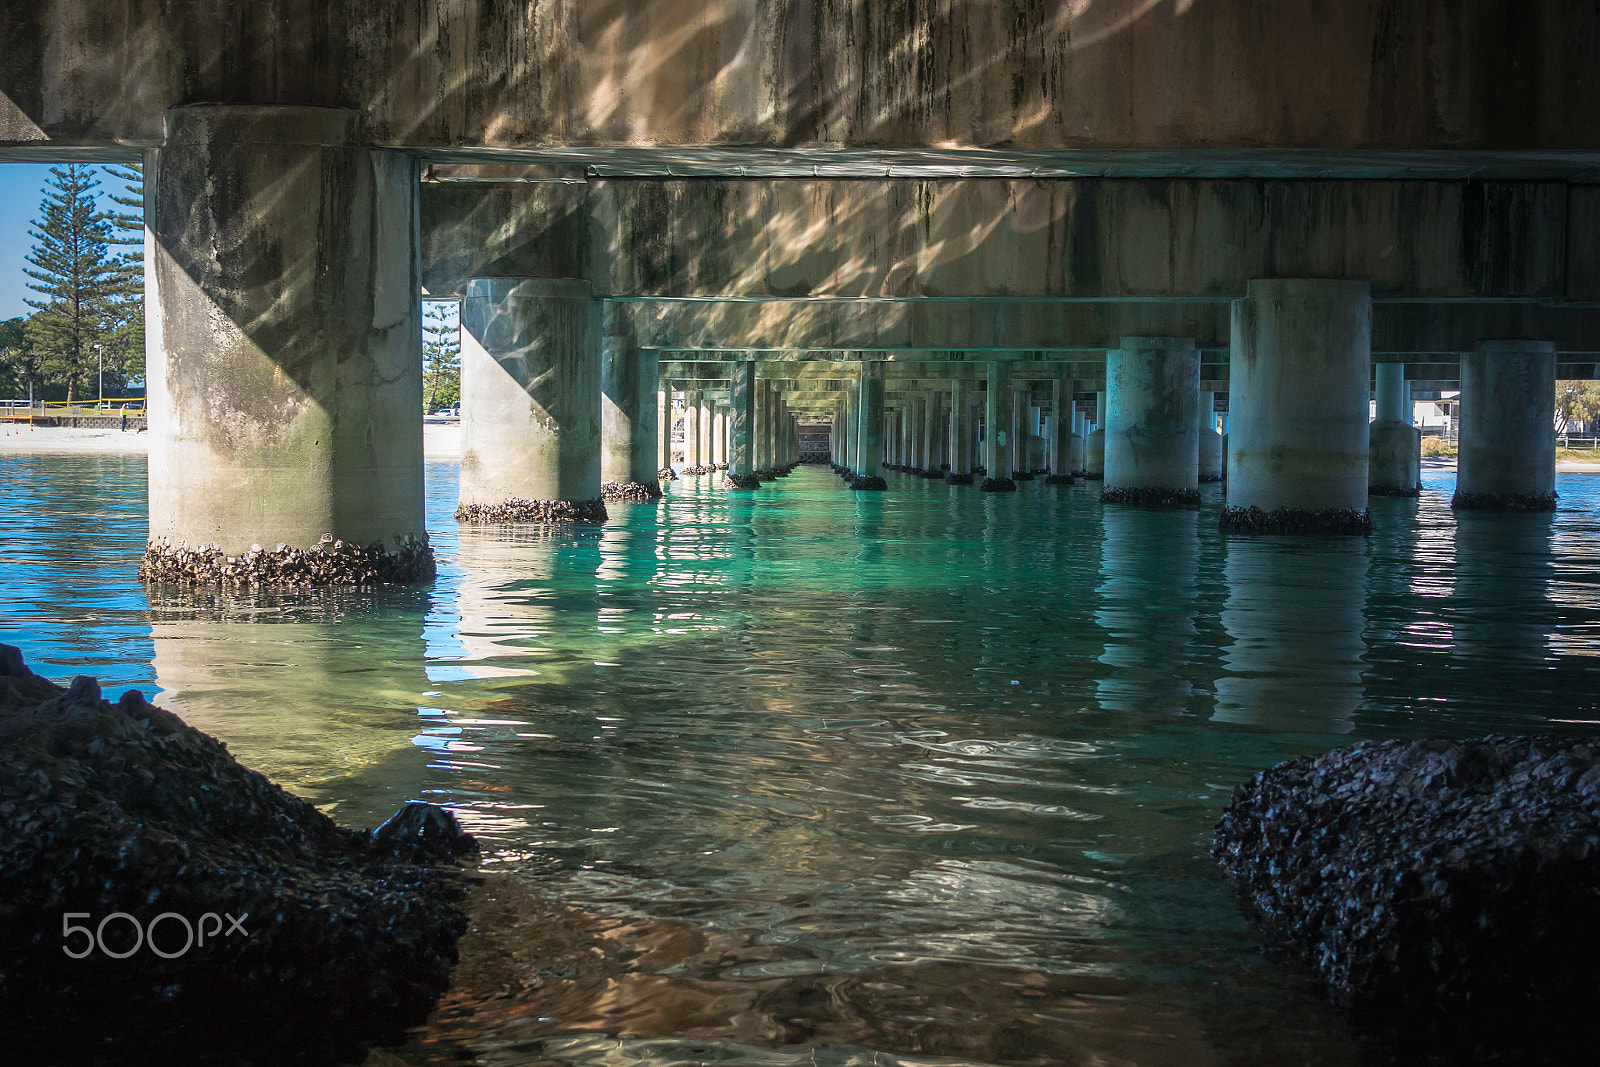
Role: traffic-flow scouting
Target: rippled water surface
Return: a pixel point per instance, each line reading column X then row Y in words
column 850, row 778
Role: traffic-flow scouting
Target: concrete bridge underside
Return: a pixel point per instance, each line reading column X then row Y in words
column 944, row 230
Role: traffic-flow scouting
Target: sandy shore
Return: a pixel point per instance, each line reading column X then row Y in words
column 440, row 440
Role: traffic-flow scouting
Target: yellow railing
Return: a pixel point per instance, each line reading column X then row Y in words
column 110, row 407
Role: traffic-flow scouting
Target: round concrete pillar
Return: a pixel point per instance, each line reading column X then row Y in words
column 741, row 427
column 869, row 427
column 1394, row 449
column 1299, row 373
column 1210, row 439
column 1507, row 457
column 996, row 413
column 1152, row 447
column 628, row 374
column 960, row 433
column 284, row 349
column 1094, row 447
column 664, row 433
column 530, row 402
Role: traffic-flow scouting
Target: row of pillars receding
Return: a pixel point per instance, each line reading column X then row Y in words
column 1299, row 446
column 283, row 369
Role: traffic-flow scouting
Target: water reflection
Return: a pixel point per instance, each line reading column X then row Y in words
column 1146, row 599
column 1502, row 578
column 1295, row 614
column 321, row 694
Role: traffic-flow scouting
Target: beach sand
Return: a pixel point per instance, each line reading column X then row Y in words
column 440, row 440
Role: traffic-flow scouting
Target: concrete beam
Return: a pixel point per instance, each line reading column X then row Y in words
column 1095, row 238
column 645, row 83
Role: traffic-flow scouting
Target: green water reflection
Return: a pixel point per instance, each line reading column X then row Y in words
column 932, row 772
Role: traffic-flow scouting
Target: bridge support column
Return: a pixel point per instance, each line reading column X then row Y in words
column 1094, row 449
column 664, row 432
column 1394, row 464
column 960, row 433
column 284, row 339
column 691, row 430
column 628, row 373
column 1210, row 439
column 1152, row 442
column 1508, row 439
column 530, row 402
column 1059, row 435
column 869, row 428
column 1299, row 375
column 996, row 413
column 741, row 426
column 1077, row 457
column 1017, row 433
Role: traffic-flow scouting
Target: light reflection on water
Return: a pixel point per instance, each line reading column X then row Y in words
column 926, row 773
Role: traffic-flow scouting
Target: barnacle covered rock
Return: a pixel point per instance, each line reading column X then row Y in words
column 1446, row 886
column 249, row 923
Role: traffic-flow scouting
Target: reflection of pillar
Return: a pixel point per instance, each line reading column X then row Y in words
column 1503, row 565
column 299, row 701
column 1210, row 440
column 627, row 408
column 1152, row 447
column 869, row 427
column 996, row 412
column 1394, row 466
column 285, row 341
column 741, row 426
column 1296, row 614
column 530, row 401
column 1146, row 605
column 1094, row 449
column 1299, row 374
column 1508, row 438
column 960, row 430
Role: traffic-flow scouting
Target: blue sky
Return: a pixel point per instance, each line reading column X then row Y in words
column 21, row 189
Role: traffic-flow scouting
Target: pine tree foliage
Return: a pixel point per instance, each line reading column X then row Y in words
column 441, row 356
column 76, row 277
column 127, row 334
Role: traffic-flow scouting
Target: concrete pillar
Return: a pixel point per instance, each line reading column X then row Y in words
column 664, row 431
column 908, row 433
column 996, row 412
column 1094, row 448
column 1394, row 463
column 719, row 439
column 1507, row 457
column 1017, row 435
column 628, row 374
column 960, row 433
column 741, row 426
column 1079, row 434
column 1210, row 439
column 1152, row 447
column 1299, row 373
column 1060, row 433
column 284, row 350
column 691, row 430
column 707, row 457
column 530, row 402
column 869, row 427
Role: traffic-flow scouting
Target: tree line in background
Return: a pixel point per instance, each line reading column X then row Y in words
column 87, row 271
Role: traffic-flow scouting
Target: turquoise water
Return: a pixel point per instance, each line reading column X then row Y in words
column 926, row 773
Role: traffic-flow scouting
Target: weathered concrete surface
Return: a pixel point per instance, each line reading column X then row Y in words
column 344, row 938
column 283, row 332
column 1298, row 406
column 996, row 414
column 1507, row 458
column 961, row 427
column 1114, row 74
column 530, row 392
column 628, row 432
column 1083, row 238
column 1395, row 459
column 1152, row 440
column 1444, row 887
column 742, row 419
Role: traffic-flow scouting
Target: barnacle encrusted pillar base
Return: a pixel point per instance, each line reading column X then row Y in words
column 516, row 511
column 328, row 562
column 636, row 492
